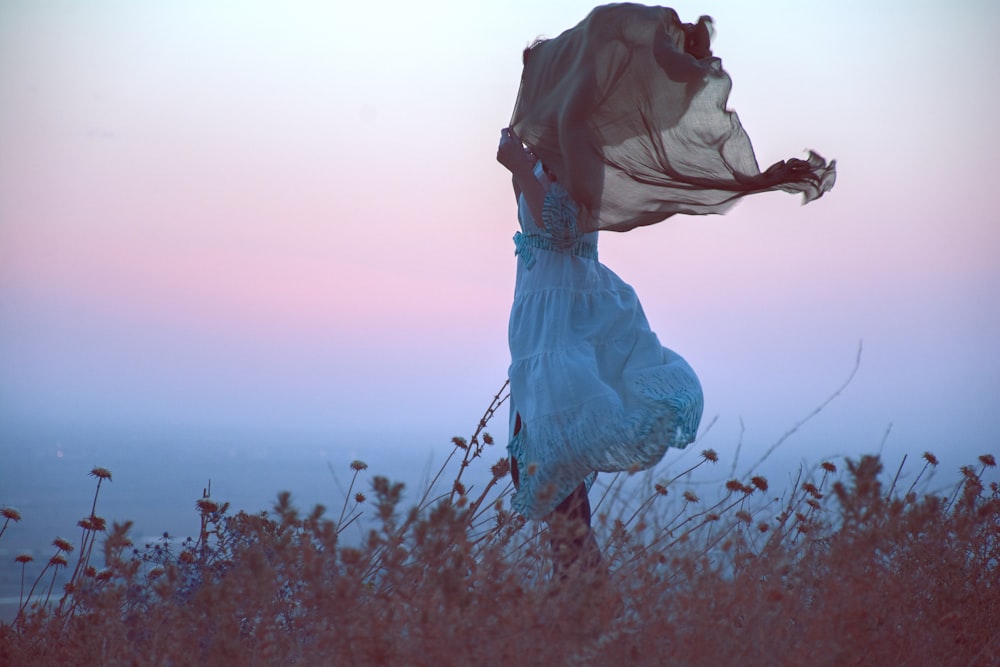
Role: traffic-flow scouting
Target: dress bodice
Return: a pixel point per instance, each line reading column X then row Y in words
column 560, row 233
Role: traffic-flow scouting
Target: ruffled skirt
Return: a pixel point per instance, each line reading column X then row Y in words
column 593, row 387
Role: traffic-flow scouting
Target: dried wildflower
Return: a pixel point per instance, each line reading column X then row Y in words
column 85, row 523
column 186, row 557
column 206, row 505
column 10, row 514
column 58, row 560
column 98, row 522
column 813, row 504
column 459, row 488
column 763, row 527
column 810, row 488
column 734, row 485
column 350, row 555
column 930, row 458
column 23, row 558
column 62, row 544
column 988, row 460
column 660, row 489
column 104, row 575
column 101, row 473
column 744, row 516
column 359, row 497
column 501, row 468
column 690, row 496
column 487, row 438
column 759, row 482
column 459, row 442
column 358, row 465
column 90, row 571
column 827, row 466
column 711, row 516
column 710, row 455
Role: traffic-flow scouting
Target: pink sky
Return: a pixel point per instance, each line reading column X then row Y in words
column 279, row 216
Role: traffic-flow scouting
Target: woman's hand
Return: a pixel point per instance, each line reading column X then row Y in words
column 511, row 153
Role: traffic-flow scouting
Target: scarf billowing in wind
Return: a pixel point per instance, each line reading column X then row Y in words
column 628, row 110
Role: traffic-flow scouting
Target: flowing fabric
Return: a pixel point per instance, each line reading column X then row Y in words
column 628, row 110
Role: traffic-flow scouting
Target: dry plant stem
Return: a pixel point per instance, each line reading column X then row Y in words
column 347, row 498
column 474, row 449
column 4, row 528
column 816, row 411
column 739, row 446
column 895, row 479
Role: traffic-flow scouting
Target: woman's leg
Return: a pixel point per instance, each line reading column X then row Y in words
column 572, row 539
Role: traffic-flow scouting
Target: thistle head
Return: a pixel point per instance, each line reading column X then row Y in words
column 930, row 458
column 24, row 558
column 100, row 473
column 710, row 455
column 10, row 514
column 62, row 544
column 358, row 466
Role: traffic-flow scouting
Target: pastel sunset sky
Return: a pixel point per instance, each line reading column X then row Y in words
column 286, row 218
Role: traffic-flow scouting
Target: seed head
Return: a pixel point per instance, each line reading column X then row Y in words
column 358, row 465
column 104, row 575
column 62, row 544
column 711, row 516
column 101, row 473
column 930, row 458
column 58, row 560
column 827, row 466
column 690, row 496
column 759, row 482
column 501, row 468
column 98, row 522
column 459, row 442
column 660, row 489
column 11, row 514
column 744, row 516
column 206, row 505
column 24, row 558
column 459, row 488
column 734, row 485
column 988, row 460
column 710, row 455
column 813, row 504
column 359, row 497
column 763, row 527
column 811, row 489
column 487, row 438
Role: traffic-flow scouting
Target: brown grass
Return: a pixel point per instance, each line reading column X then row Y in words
column 842, row 571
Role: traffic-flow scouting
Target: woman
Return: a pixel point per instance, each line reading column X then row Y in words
column 592, row 389
column 626, row 122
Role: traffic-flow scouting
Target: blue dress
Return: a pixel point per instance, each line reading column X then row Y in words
column 594, row 389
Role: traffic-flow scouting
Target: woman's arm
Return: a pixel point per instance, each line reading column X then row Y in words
column 512, row 154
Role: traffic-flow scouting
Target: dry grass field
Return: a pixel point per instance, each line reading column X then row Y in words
column 845, row 567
